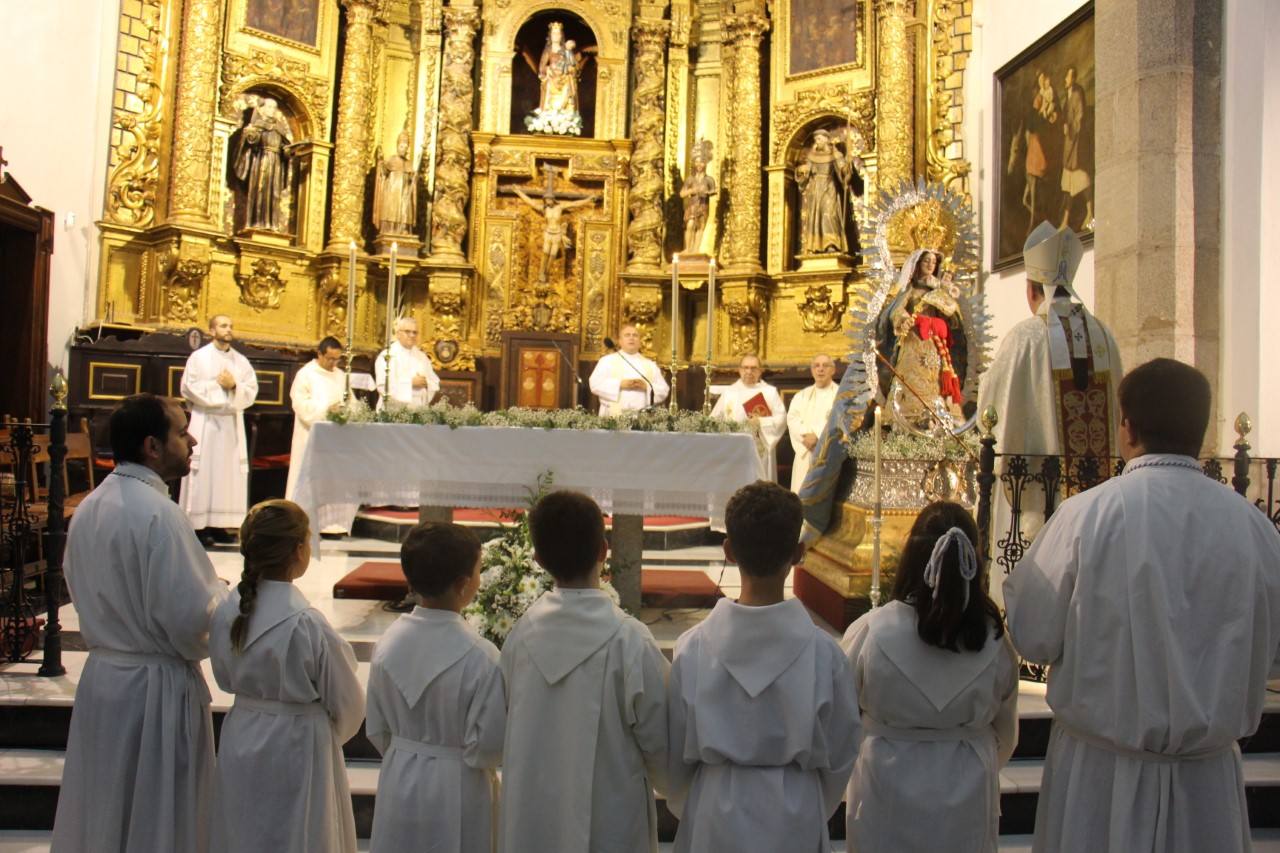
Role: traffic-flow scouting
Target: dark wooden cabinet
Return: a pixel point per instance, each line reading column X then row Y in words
column 26, row 252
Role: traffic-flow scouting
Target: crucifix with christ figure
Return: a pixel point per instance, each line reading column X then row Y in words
column 552, row 205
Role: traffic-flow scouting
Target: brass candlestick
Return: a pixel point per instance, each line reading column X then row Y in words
column 707, row 369
column 674, row 367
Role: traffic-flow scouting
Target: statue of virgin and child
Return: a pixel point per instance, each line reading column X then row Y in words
column 558, row 70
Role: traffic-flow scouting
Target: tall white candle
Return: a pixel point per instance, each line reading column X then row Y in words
column 711, row 311
column 391, row 294
column 351, row 298
column 879, row 438
column 675, row 304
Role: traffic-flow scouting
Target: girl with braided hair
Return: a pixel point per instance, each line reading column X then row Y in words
column 937, row 686
column 282, row 782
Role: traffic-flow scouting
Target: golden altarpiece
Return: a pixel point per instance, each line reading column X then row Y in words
column 254, row 142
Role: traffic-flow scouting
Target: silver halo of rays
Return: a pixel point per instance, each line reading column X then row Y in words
column 866, row 304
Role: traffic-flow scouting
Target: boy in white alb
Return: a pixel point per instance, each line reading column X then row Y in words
column 587, row 712
column 763, row 716
column 436, row 706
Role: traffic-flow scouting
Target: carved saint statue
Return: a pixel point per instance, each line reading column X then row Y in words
column 922, row 334
column 825, row 178
column 395, row 191
column 696, row 190
column 555, row 236
column 558, row 69
column 261, row 162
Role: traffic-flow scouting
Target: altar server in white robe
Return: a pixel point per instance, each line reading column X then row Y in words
column 1155, row 599
column 1052, row 382
column 437, row 707
column 938, row 687
column 773, row 421
column 413, row 380
column 625, row 380
column 317, row 388
column 282, row 779
column 762, row 711
column 220, row 384
column 807, row 416
column 586, row 703
column 139, row 765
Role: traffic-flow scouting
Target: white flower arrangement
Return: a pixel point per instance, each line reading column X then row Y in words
column 900, row 444
column 443, row 414
column 558, row 122
column 510, row 580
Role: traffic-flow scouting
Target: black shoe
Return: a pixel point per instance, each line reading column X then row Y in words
column 207, row 539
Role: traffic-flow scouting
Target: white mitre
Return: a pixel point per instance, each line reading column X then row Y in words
column 1052, row 256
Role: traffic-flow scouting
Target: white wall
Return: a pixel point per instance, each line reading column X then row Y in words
column 1250, row 223
column 1001, row 30
column 55, row 112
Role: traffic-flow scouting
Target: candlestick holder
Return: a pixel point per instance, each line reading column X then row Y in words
column 673, row 407
column 707, row 370
column 877, row 522
column 346, row 393
column 386, row 376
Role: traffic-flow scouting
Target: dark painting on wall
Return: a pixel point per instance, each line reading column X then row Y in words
column 1045, row 104
column 295, row 20
column 823, row 34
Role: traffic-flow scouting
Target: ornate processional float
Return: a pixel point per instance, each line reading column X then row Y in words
column 903, row 421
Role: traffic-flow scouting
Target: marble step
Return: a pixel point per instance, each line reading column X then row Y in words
column 30, row 780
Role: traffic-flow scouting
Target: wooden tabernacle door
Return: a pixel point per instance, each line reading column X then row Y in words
column 539, row 370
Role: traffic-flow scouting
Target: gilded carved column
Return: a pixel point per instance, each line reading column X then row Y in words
column 743, row 220
column 351, row 141
column 644, row 233
column 196, row 107
column 895, row 135
column 453, row 147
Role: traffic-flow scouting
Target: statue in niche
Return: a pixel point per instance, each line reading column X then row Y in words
column 395, row 192
column 826, row 177
column 555, row 236
column 262, row 164
column 558, row 70
column 696, row 191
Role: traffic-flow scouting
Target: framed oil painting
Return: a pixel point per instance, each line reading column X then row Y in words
column 1044, row 118
column 295, row 20
column 823, row 34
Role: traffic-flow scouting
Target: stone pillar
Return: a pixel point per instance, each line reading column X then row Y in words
column 352, row 136
column 645, row 230
column 895, row 130
column 1158, row 175
column 453, row 146
column 194, row 112
column 742, row 228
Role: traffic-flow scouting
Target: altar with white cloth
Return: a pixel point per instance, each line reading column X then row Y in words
column 629, row 473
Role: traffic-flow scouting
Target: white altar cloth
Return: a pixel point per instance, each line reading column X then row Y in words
column 629, row 473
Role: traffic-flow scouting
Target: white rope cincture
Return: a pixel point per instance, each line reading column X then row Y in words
column 968, row 561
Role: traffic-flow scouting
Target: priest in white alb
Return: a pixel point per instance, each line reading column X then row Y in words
column 807, row 416
column 624, row 380
column 1052, row 382
column 1155, row 600
column 139, row 764
column 752, row 399
column 317, row 388
column 220, row 384
column 413, row 381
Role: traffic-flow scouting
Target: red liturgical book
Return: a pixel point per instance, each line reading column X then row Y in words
column 756, row 407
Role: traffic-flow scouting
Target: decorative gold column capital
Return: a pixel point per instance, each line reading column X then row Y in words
column 895, row 8
column 747, row 30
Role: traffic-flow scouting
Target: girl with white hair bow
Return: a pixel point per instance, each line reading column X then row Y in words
column 937, row 686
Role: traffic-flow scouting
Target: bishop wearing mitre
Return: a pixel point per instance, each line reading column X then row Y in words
column 413, row 381
column 1053, row 380
column 807, row 417
column 624, row 380
column 750, row 398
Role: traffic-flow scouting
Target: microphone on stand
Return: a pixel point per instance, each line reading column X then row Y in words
column 608, row 342
column 577, row 397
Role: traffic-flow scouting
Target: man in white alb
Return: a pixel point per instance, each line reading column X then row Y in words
column 750, row 399
column 413, row 380
column 140, row 764
column 625, row 380
column 220, row 384
column 1155, row 600
column 318, row 388
column 807, row 417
